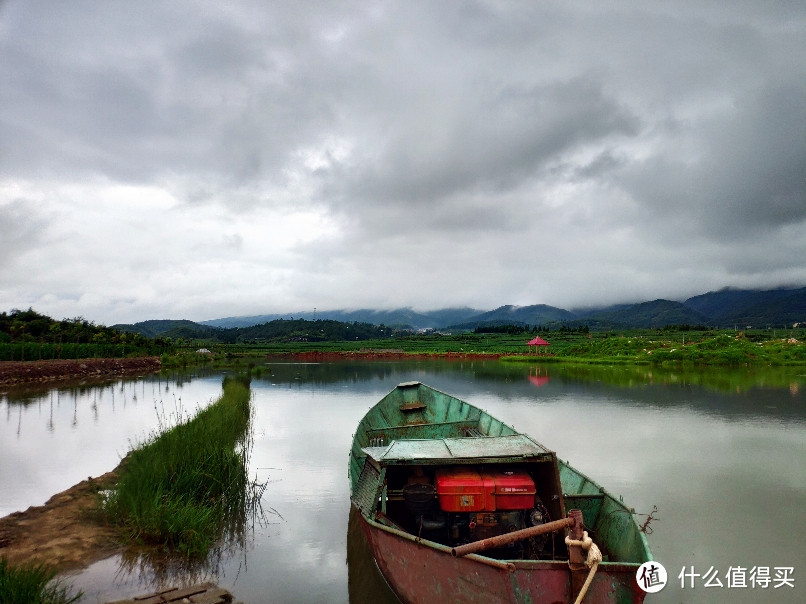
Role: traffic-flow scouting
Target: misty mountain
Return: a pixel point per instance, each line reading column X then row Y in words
column 161, row 328
column 654, row 314
column 536, row 314
column 400, row 318
column 246, row 321
column 723, row 308
column 759, row 308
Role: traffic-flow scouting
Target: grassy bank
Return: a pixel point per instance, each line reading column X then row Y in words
column 635, row 346
column 723, row 349
column 182, row 488
column 32, row 584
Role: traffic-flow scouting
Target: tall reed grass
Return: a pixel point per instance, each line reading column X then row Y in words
column 188, row 483
column 32, row 584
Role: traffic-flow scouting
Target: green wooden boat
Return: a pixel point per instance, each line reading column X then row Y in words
column 458, row 506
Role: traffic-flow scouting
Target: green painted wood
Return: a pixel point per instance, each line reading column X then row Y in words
column 447, row 419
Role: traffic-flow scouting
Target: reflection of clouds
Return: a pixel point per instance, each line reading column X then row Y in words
column 307, row 438
column 305, row 442
column 709, row 474
column 58, row 438
column 713, row 470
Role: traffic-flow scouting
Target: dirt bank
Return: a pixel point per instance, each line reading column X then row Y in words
column 26, row 372
column 66, row 533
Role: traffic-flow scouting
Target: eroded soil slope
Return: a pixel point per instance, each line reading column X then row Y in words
column 26, row 372
column 67, row 532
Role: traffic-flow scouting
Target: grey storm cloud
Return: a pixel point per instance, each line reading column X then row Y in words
column 491, row 144
column 18, row 231
column 331, row 150
column 746, row 177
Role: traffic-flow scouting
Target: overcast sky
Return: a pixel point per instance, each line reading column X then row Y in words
column 207, row 159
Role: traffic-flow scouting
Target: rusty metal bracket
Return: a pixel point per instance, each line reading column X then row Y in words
column 506, row 539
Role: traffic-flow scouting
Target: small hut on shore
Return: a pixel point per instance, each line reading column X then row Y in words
column 539, row 344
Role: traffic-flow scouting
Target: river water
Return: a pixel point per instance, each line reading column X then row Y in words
column 721, row 455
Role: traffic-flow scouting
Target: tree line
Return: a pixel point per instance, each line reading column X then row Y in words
column 302, row 330
column 28, row 335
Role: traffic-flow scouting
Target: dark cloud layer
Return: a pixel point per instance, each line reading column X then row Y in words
column 482, row 152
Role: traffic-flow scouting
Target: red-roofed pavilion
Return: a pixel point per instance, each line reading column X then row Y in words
column 538, row 341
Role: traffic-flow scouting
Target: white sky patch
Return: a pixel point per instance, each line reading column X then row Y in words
column 326, row 155
column 120, row 247
column 184, row 161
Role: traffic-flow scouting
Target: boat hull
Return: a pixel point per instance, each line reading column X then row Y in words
column 414, row 436
column 427, row 572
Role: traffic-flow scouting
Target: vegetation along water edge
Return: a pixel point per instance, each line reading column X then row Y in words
column 188, row 484
column 30, row 336
column 33, row 583
column 182, row 491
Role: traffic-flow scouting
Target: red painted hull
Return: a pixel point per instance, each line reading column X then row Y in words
column 418, row 573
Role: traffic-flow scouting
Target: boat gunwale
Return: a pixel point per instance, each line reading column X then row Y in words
column 603, row 493
column 507, row 564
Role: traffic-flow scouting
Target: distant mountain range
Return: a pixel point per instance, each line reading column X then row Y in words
column 404, row 318
column 723, row 308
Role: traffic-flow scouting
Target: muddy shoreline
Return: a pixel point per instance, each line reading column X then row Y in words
column 66, row 533
column 13, row 373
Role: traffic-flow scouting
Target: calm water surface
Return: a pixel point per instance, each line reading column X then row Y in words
column 722, row 457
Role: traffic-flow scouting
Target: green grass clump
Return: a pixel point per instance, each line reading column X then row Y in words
column 32, row 583
column 183, row 487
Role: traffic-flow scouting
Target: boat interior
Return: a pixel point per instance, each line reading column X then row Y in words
column 439, row 469
column 449, row 483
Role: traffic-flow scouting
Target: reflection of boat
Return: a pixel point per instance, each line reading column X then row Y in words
column 457, row 506
column 365, row 583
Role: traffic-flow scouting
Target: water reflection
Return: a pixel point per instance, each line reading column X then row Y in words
column 538, row 376
column 731, row 380
column 774, row 395
column 365, row 583
column 721, row 456
column 241, row 513
column 148, row 566
column 53, row 438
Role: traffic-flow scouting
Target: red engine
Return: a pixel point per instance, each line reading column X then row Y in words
column 483, row 504
column 464, row 489
column 474, row 504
